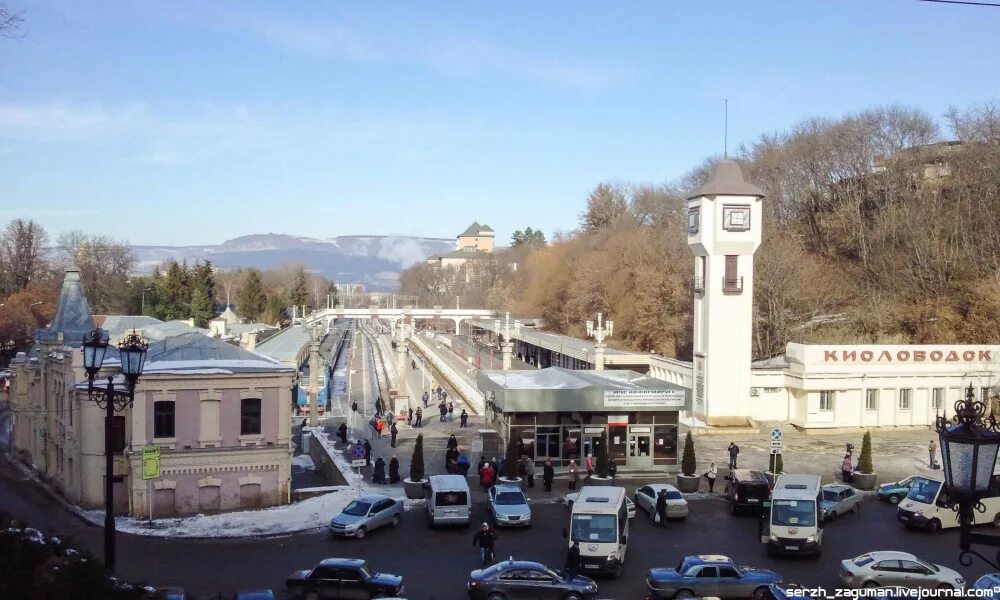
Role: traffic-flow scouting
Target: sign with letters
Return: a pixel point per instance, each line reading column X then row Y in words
column 151, row 462
column 645, row 399
column 915, row 354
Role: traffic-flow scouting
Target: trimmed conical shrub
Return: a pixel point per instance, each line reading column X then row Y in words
column 417, row 460
column 865, row 460
column 601, row 468
column 688, row 464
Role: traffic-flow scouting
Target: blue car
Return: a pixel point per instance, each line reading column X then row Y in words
column 710, row 575
column 895, row 491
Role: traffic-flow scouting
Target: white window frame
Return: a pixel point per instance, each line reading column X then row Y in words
column 907, row 395
column 729, row 210
column 826, row 400
column 937, row 398
column 871, row 394
column 694, row 219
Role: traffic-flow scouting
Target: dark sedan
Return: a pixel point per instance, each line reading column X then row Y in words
column 515, row 579
column 710, row 576
column 342, row 578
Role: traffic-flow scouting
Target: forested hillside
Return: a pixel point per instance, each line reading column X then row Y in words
column 879, row 226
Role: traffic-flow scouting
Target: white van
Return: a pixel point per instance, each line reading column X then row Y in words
column 448, row 500
column 927, row 506
column 796, row 523
column 599, row 522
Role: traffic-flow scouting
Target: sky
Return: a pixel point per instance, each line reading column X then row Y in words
column 192, row 123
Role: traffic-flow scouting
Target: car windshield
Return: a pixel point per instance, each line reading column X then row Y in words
column 674, row 496
column 829, row 496
column 594, row 528
column 357, row 508
column 927, row 565
column 793, row 513
column 509, row 498
column 923, row 490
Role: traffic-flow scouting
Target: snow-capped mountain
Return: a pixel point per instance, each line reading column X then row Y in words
column 370, row 259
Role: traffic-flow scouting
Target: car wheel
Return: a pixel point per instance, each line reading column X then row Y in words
column 944, row 586
column 574, row 597
column 395, row 520
column 684, row 594
column 312, row 596
column 870, row 584
column 934, row 526
column 894, row 498
column 856, row 508
column 760, row 593
column 496, row 596
column 362, row 531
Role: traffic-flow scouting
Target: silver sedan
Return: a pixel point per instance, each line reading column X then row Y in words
column 887, row 568
column 366, row 514
column 508, row 506
column 645, row 500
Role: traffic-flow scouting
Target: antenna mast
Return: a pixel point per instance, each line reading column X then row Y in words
column 725, row 134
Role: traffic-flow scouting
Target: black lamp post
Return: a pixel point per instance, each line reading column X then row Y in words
column 969, row 444
column 133, row 357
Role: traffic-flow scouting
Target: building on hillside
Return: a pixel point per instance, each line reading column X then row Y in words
column 475, row 243
column 229, row 326
column 218, row 413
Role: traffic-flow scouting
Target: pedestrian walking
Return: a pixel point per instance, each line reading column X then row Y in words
column 849, row 448
column 451, row 411
column 409, row 417
column 463, row 465
column 393, row 431
column 378, row 473
column 612, row 469
column 378, row 428
column 573, row 559
column 354, row 406
column 734, row 451
column 932, row 453
column 846, row 468
column 548, row 474
column 452, row 442
column 485, row 539
column 463, row 418
column 486, row 476
column 420, row 417
column 342, row 432
column 479, row 468
column 443, row 409
column 529, row 471
column 711, row 474
column 574, row 474
column 661, row 508
column 368, row 453
column 588, row 464
column 378, row 407
column 393, row 469
column 426, row 398
column 413, row 365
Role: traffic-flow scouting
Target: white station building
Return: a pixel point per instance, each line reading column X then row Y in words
column 810, row 386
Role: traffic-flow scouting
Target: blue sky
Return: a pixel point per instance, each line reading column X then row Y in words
column 190, row 123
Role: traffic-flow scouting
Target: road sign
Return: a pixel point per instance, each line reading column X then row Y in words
column 151, row 462
column 358, row 456
column 775, row 435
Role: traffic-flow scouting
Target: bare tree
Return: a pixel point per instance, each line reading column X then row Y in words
column 10, row 22
column 22, row 255
column 105, row 266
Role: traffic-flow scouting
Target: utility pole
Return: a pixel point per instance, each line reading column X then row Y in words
column 314, row 377
column 505, row 334
column 601, row 331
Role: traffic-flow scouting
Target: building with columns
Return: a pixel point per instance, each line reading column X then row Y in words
column 219, row 414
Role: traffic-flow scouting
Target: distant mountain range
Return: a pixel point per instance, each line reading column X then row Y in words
column 373, row 260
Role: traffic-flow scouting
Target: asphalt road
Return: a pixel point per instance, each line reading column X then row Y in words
column 435, row 563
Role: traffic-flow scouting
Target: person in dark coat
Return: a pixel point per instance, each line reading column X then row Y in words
column 443, row 409
column 612, row 469
column 661, row 507
column 305, row 421
column 451, row 411
column 393, row 469
column 378, row 406
column 734, row 451
column 573, row 559
column 354, row 406
column 378, row 473
column 368, row 453
column 548, row 475
column 452, row 442
column 463, row 418
column 342, row 432
column 393, row 431
column 420, row 417
column 485, row 538
column 409, row 416
column 426, row 398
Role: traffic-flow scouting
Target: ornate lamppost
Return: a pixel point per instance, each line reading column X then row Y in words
column 969, row 444
column 133, row 358
column 505, row 330
column 602, row 330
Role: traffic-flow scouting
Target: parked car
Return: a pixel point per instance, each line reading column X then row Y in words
column 777, row 591
column 515, row 579
column 172, row 593
column 990, row 584
column 254, row 595
column 888, row 568
column 839, row 499
column 367, row 514
column 895, row 491
column 645, row 500
column 709, row 576
column 746, row 490
column 342, row 578
column 508, row 506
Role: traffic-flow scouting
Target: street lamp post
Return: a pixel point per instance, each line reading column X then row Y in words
column 506, row 333
column 133, row 358
column 602, row 330
column 969, row 444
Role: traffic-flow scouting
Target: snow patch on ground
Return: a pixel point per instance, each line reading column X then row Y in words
column 304, row 461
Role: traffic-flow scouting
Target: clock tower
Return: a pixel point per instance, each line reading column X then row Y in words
column 724, row 230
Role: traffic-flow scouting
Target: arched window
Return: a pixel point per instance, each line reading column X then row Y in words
column 250, row 416
column 163, row 419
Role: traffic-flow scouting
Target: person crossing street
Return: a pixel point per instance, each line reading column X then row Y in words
column 548, row 475
column 393, row 431
column 485, row 539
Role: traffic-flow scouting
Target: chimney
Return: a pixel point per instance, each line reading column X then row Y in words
column 250, row 341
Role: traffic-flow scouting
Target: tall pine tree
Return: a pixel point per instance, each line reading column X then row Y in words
column 300, row 290
column 202, row 294
column 251, row 301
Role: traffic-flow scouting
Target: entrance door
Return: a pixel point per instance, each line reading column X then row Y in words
column 640, row 448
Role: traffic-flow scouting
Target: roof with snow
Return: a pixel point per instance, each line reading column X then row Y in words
column 196, row 353
column 119, row 325
column 73, row 317
column 238, row 329
column 477, row 230
column 726, row 179
column 168, row 329
column 466, row 253
column 285, row 346
column 229, row 316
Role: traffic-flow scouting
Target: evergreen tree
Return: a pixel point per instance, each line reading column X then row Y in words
column 417, row 460
column 601, row 467
column 865, row 460
column 513, row 456
column 300, row 290
column 331, row 290
column 688, row 464
column 202, row 294
column 174, row 293
column 252, row 299
column 277, row 304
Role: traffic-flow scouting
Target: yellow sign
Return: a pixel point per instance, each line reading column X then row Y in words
column 151, row 462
